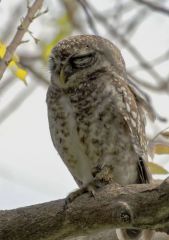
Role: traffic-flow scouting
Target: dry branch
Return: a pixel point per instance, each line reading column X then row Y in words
column 123, row 40
column 154, row 6
column 22, row 29
column 140, row 206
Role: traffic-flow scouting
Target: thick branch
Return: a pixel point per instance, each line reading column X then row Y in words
column 19, row 35
column 141, row 206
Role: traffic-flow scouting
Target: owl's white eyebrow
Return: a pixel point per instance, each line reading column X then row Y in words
column 77, row 55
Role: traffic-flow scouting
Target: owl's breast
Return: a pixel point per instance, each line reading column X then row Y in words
column 105, row 137
column 88, row 131
column 66, row 139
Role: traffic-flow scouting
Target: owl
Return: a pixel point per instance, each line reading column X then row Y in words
column 96, row 117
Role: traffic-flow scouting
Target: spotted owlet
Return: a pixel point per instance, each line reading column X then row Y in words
column 96, row 117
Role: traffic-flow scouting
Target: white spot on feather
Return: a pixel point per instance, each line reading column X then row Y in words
column 134, row 114
column 82, row 168
column 128, row 107
column 133, row 123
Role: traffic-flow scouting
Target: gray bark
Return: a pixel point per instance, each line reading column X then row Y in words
column 141, row 206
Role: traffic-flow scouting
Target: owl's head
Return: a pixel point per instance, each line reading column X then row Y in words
column 76, row 58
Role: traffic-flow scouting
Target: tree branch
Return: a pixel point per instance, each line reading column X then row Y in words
column 124, row 41
column 154, row 6
column 141, row 206
column 23, row 27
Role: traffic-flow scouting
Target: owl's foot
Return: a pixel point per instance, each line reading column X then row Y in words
column 100, row 180
column 104, row 176
column 73, row 195
column 90, row 188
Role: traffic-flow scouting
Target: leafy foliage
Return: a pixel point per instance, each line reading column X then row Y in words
column 14, row 64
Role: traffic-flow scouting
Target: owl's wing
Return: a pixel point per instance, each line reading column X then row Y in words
column 131, row 110
column 143, row 102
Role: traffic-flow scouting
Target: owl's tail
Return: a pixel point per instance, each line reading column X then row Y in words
column 144, row 176
column 134, row 234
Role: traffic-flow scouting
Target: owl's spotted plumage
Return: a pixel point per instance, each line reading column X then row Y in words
column 96, row 119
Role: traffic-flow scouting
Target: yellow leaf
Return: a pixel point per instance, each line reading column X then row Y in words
column 157, row 169
column 161, row 149
column 12, row 64
column 19, row 72
column 2, row 49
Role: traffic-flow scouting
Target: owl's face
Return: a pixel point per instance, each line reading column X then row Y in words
column 75, row 59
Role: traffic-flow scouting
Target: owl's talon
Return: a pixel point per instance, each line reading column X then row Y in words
column 73, row 195
column 90, row 188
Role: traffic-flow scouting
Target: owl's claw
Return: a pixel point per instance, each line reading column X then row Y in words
column 73, row 195
column 90, row 188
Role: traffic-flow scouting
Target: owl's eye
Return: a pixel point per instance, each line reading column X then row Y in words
column 83, row 60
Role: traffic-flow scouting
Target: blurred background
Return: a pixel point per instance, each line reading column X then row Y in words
column 30, row 168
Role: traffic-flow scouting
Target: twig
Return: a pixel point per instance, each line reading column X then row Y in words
column 37, row 75
column 124, row 41
column 154, row 6
column 154, row 62
column 89, row 17
column 7, row 84
column 29, row 57
column 72, row 9
column 163, row 86
column 23, row 27
column 133, row 80
column 134, row 23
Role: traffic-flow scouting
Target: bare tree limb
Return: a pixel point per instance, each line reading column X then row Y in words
column 154, row 62
column 124, row 41
column 23, row 27
column 113, row 207
column 7, row 83
column 37, row 76
column 71, row 8
column 89, row 17
column 154, row 6
column 162, row 86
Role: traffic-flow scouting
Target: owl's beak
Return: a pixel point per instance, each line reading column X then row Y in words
column 65, row 73
column 62, row 76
